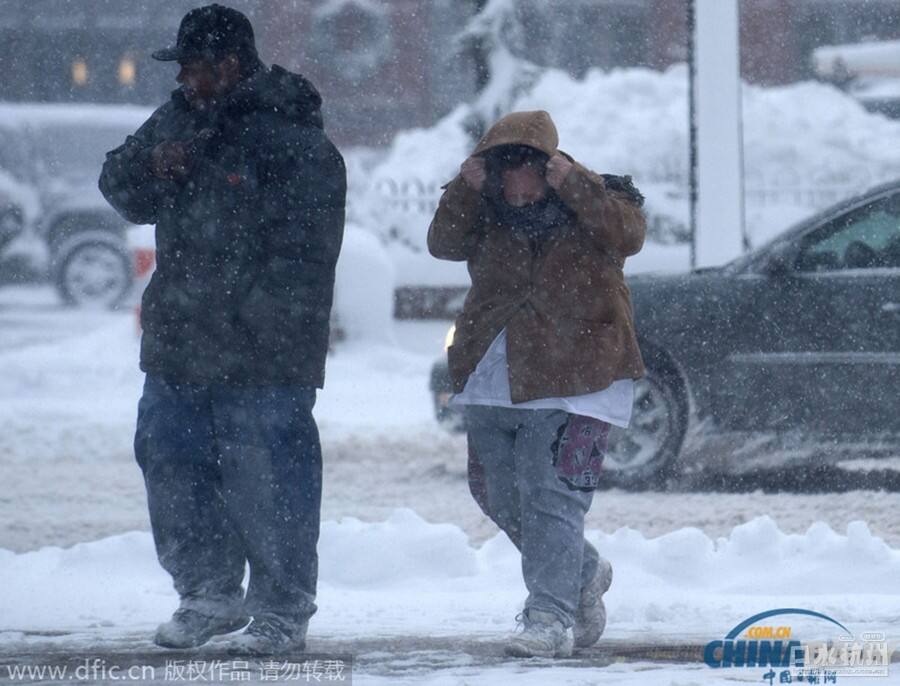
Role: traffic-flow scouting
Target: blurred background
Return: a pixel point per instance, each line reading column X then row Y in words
column 385, row 66
column 389, row 68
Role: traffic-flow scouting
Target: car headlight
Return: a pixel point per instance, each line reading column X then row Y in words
column 448, row 339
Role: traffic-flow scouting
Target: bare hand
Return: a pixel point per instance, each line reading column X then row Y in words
column 474, row 173
column 558, row 168
column 170, row 160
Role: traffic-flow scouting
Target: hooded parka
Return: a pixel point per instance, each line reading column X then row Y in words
column 563, row 301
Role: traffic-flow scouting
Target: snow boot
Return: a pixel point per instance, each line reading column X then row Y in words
column 590, row 618
column 270, row 635
column 189, row 628
column 544, row 636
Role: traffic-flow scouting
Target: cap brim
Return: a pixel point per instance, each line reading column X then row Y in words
column 166, row 54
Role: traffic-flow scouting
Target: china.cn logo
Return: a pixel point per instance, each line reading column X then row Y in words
column 765, row 645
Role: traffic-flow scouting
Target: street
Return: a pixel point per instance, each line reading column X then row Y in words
column 69, row 384
column 70, row 475
column 32, row 315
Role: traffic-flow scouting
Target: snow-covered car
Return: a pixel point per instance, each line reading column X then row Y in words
column 11, row 220
column 57, row 151
column 790, row 353
column 868, row 71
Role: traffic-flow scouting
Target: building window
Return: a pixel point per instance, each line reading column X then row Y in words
column 80, row 73
column 127, row 72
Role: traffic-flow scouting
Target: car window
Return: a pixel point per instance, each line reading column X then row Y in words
column 67, row 152
column 867, row 238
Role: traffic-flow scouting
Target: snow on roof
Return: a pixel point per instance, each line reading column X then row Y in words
column 331, row 7
column 875, row 88
column 878, row 58
column 14, row 115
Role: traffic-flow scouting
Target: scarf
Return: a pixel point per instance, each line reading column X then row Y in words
column 536, row 221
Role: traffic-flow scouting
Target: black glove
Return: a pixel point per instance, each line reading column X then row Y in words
column 623, row 184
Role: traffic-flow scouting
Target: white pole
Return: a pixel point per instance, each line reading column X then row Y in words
column 719, row 234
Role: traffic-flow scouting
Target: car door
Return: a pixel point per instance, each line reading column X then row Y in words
column 820, row 343
column 13, row 159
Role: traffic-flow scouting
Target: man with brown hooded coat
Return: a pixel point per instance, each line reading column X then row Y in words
column 545, row 335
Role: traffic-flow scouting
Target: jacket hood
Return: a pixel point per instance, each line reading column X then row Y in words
column 279, row 90
column 534, row 129
column 273, row 90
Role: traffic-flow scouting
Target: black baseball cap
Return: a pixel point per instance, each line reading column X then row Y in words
column 211, row 32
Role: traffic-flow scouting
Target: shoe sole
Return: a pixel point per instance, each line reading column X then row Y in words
column 589, row 639
column 237, row 625
column 512, row 651
column 515, row 650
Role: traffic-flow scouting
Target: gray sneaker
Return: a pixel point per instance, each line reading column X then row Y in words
column 189, row 628
column 590, row 618
column 270, row 635
column 544, row 636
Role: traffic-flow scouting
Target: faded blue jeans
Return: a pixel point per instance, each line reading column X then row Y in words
column 525, row 498
column 233, row 476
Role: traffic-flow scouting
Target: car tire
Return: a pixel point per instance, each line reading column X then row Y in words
column 93, row 269
column 645, row 455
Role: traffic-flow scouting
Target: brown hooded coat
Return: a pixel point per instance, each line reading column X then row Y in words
column 566, row 308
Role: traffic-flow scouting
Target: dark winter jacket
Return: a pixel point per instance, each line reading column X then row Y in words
column 246, row 247
column 565, row 306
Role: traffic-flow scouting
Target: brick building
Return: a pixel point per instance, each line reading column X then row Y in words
column 385, row 65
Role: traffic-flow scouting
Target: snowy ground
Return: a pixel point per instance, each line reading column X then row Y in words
column 432, row 609
column 78, row 574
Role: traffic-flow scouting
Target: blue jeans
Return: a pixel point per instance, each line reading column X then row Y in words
column 525, row 498
column 233, row 476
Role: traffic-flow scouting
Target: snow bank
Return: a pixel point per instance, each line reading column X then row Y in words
column 364, row 288
column 71, row 398
column 806, row 146
column 77, row 398
column 56, row 114
column 373, row 389
column 405, row 575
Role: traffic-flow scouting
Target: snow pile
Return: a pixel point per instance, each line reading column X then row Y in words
column 77, row 398
column 373, row 389
column 806, row 145
column 364, row 288
column 405, row 575
column 34, row 115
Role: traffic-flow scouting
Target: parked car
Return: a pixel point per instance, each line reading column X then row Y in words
column 58, row 151
column 789, row 353
column 868, row 71
column 12, row 219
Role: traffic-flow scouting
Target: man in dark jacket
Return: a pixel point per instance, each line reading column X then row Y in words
column 247, row 194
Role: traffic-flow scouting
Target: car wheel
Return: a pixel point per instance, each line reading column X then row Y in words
column 93, row 269
column 644, row 455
